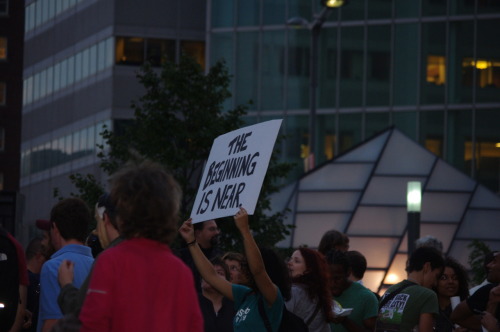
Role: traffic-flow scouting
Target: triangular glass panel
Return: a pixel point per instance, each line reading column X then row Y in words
column 404, row 156
column 444, row 177
column 367, row 152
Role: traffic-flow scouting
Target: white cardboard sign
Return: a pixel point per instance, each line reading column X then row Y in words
column 235, row 171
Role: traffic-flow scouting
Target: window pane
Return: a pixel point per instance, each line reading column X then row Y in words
column 78, row 66
column 378, row 65
column 406, row 62
column 298, row 69
column 327, row 71
column 93, row 60
column 43, row 83
column 431, row 131
column 351, row 67
column 57, row 77
column 222, row 49
column 195, row 49
column 460, row 71
column 248, row 12
column 273, row 70
column 246, row 77
column 274, row 12
column 487, row 148
column 349, row 130
column 101, row 55
column 433, row 63
column 487, row 62
column 85, row 63
column 109, row 52
column 129, row 50
column 222, row 13
column 50, row 80
column 458, row 140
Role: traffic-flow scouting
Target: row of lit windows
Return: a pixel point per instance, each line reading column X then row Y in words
column 63, row 149
column 40, row 11
column 68, row 71
column 135, row 50
column 487, row 73
column 129, row 51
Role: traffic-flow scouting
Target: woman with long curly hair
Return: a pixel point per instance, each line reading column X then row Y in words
column 311, row 296
column 452, row 282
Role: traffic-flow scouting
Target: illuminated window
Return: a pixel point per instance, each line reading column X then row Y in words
column 3, row 48
column 435, row 146
column 195, row 49
column 129, row 50
column 487, row 73
column 436, row 69
column 158, row 50
column 3, row 97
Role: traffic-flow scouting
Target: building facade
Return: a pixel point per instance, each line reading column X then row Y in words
column 11, row 68
column 431, row 68
column 81, row 59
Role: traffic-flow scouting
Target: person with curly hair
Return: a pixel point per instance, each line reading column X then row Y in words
column 311, row 297
column 452, row 282
column 139, row 284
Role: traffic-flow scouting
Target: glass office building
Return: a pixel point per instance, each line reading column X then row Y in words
column 431, row 68
column 81, row 58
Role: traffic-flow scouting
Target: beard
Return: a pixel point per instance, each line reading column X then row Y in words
column 214, row 241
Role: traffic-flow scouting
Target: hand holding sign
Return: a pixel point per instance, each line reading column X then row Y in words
column 235, row 171
column 241, row 220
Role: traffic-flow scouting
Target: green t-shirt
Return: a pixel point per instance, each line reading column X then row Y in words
column 402, row 312
column 246, row 304
column 363, row 302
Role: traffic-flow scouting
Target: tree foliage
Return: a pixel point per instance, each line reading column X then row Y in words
column 478, row 251
column 175, row 123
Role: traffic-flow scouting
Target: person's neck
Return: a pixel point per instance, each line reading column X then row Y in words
column 34, row 266
column 65, row 242
column 444, row 301
column 416, row 277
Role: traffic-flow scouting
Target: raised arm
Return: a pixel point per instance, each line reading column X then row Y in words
column 254, row 258
column 202, row 263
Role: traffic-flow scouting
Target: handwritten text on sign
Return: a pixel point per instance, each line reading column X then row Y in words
column 235, row 171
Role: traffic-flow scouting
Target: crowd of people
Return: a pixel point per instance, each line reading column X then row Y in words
column 138, row 283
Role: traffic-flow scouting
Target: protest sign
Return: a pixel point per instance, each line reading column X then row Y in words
column 235, row 171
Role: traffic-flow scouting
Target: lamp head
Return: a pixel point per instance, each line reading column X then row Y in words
column 334, row 3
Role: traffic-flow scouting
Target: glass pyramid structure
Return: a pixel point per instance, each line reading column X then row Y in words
column 362, row 193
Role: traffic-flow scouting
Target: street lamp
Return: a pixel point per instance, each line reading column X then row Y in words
column 413, row 205
column 315, row 28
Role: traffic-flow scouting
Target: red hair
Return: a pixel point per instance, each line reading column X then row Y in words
column 317, row 280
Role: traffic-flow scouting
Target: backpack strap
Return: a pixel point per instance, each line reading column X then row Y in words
column 313, row 315
column 263, row 315
column 394, row 293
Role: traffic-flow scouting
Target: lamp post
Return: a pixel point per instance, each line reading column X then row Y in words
column 413, row 205
column 315, row 28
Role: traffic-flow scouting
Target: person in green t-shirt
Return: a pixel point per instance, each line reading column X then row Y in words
column 415, row 305
column 350, row 294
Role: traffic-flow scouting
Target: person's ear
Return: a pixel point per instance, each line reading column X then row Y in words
column 427, row 267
